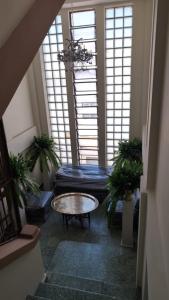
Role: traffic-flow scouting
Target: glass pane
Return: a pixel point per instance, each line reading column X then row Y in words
column 110, row 34
column 109, row 24
column 118, row 12
column 119, row 23
column 118, row 52
column 81, row 75
column 53, row 39
column 128, row 42
column 46, row 48
column 127, row 32
column 118, row 43
column 127, row 22
column 109, row 53
column 118, row 80
column 109, row 43
column 110, row 80
column 110, row 13
column 127, row 61
column 128, row 11
column 83, row 18
column 118, row 33
column 127, row 52
column 110, row 72
column 86, row 86
column 85, row 33
column 109, row 62
column 54, row 48
column 58, row 19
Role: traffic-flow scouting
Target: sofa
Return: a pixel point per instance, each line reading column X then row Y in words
column 90, row 179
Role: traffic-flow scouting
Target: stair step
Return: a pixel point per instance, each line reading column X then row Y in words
column 94, row 261
column 86, row 284
column 57, row 292
column 36, row 298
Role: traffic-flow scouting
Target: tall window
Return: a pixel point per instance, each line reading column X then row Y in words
column 56, row 90
column 83, row 24
column 116, row 84
column 118, row 35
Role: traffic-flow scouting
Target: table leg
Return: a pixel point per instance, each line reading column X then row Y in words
column 67, row 221
column 89, row 219
column 81, row 221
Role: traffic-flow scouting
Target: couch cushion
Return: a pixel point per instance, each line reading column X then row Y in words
column 83, row 177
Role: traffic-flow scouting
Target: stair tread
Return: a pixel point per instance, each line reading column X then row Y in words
column 86, row 284
column 93, row 261
column 58, row 292
column 36, row 298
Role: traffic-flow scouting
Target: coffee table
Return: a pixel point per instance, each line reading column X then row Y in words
column 74, row 205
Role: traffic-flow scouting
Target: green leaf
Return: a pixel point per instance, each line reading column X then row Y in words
column 43, row 149
column 22, row 180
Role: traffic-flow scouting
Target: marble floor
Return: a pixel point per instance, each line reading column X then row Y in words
column 93, row 254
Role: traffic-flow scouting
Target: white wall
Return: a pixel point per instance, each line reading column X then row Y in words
column 21, row 119
column 158, row 206
column 18, row 119
column 21, row 277
column 156, row 170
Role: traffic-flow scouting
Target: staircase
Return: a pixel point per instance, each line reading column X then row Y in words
column 85, row 271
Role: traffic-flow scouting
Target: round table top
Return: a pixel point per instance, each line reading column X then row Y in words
column 74, row 203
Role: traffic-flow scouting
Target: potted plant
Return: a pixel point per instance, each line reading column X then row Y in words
column 123, row 182
column 22, row 179
column 43, row 150
column 129, row 150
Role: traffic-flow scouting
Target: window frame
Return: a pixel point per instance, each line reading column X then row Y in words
column 100, row 11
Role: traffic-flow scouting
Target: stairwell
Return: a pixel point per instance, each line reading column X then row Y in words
column 93, row 268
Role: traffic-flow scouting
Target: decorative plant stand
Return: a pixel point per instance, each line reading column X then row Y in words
column 127, row 223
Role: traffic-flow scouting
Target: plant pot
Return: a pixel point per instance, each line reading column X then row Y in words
column 127, row 222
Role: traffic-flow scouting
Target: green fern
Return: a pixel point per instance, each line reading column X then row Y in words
column 129, row 150
column 43, row 149
column 22, row 179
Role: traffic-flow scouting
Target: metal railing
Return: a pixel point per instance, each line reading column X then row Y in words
column 9, row 214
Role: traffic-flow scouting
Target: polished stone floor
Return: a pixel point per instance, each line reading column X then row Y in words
column 86, row 263
column 56, row 241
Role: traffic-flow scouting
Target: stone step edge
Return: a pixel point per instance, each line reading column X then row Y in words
column 49, row 285
column 72, row 276
column 83, row 278
column 30, row 297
